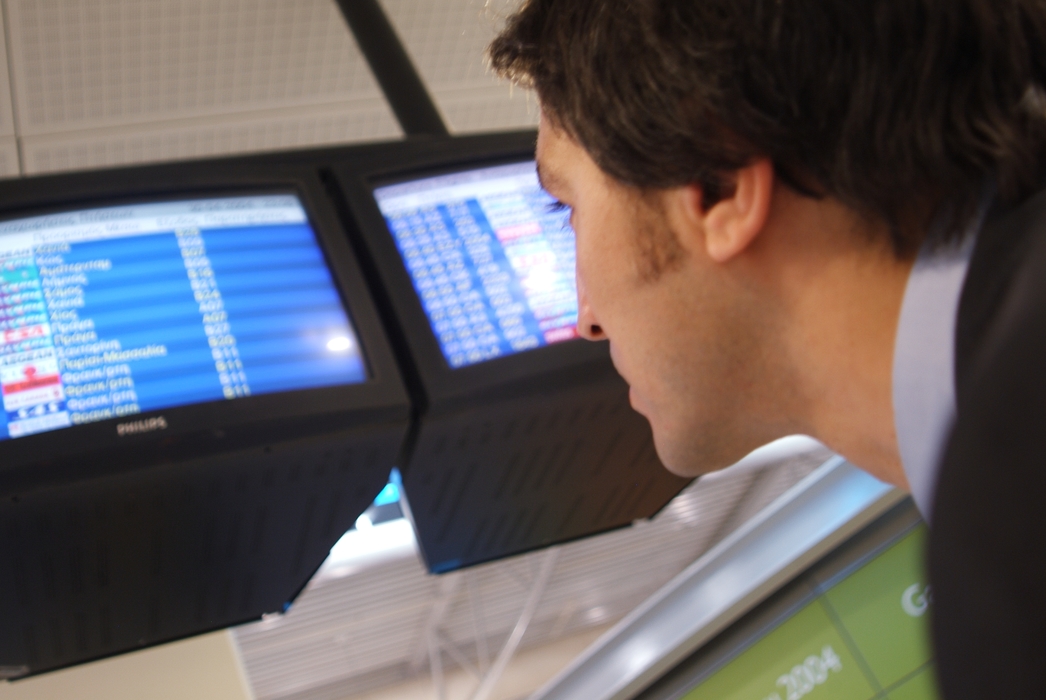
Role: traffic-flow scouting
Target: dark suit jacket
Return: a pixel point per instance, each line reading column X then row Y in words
column 988, row 537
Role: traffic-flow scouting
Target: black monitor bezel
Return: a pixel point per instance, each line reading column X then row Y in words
column 36, row 459
column 572, row 361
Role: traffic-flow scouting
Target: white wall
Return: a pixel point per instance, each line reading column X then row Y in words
column 201, row 668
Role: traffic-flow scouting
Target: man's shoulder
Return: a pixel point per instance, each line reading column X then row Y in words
column 1009, row 257
column 988, row 542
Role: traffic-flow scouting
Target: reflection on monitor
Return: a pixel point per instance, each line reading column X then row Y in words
column 109, row 312
column 491, row 259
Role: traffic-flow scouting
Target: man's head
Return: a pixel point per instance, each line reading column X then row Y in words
column 732, row 321
column 749, row 180
column 890, row 106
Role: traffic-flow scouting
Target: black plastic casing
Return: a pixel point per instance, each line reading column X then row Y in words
column 514, row 453
column 109, row 543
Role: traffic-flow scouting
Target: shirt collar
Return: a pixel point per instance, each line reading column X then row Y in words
column 924, row 356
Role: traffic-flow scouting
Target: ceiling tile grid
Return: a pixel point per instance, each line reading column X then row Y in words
column 303, row 127
column 447, row 41
column 493, row 108
column 8, row 157
column 99, row 83
column 94, row 63
column 348, row 635
column 7, row 121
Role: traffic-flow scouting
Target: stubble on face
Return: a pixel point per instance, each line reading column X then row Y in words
column 702, row 360
column 685, row 338
column 657, row 248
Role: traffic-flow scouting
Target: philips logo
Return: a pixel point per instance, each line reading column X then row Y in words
column 141, row 426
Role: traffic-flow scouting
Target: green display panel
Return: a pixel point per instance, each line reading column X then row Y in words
column 863, row 637
column 807, row 650
column 883, row 607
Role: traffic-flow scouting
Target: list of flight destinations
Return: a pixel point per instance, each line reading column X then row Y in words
column 491, row 260
column 109, row 312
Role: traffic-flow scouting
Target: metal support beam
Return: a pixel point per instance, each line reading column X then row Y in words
column 392, row 67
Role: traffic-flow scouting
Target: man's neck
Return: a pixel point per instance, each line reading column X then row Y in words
column 843, row 291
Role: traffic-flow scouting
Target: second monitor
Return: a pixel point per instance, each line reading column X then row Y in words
column 525, row 437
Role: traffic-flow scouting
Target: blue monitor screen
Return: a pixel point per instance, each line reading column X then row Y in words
column 109, row 312
column 491, row 260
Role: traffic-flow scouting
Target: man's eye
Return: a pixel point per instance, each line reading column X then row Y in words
column 556, row 207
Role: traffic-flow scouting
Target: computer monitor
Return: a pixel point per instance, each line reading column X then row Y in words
column 525, row 437
column 115, row 311
column 198, row 400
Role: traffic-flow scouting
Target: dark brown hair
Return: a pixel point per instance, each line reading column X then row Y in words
column 892, row 106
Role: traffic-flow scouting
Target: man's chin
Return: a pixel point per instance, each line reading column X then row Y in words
column 674, row 459
column 679, row 447
column 690, row 458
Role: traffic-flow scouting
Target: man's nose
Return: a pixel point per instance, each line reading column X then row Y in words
column 587, row 325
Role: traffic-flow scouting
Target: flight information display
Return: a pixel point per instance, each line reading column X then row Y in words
column 490, row 257
column 113, row 311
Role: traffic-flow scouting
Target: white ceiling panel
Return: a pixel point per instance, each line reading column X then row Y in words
column 300, row 127
column 8, row 157
column 491, row 108
column 80, row 64
column 447, row 40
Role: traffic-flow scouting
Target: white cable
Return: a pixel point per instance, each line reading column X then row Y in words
column 505, row 655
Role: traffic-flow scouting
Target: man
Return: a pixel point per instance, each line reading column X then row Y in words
column 821, row 217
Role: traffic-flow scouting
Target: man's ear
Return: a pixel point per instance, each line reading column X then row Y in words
column 731, row 224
